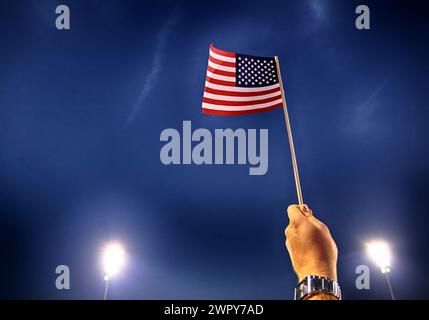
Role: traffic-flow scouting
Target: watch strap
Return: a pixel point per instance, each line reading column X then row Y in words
column 311, row 285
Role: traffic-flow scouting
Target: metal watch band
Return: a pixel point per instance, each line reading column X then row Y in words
column 314, row 284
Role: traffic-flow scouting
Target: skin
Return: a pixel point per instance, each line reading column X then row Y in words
column 311, row 248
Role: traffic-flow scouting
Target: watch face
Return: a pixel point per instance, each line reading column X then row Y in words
column 317, row 283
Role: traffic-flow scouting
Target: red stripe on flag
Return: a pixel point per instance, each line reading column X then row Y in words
column 241, row 94
column 241, row 112
column 221, row 82
column 222, row 63
column 221, row 52
column 240, row 103
column 221, row 72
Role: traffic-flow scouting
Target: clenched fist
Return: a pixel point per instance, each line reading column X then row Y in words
column 311, row 247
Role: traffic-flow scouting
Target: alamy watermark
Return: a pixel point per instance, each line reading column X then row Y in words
column 362, row 281
column 226, row 146
column 362, row 21
column 62, row 22
column 62, row 282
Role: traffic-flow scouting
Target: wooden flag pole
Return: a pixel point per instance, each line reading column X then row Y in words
column 289, row 134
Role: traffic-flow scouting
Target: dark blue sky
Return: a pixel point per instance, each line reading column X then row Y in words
column 81, row 112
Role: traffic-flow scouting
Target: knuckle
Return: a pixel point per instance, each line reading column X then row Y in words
column 291, row 207
column 323, row 227
column 291, row 210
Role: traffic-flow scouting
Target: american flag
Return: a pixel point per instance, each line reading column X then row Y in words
column 240, row 84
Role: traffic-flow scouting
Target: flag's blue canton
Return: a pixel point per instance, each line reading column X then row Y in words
column 255, row 71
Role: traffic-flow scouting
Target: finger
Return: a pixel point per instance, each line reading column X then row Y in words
column 295, row 214
column 289, row 230
column 287, row 244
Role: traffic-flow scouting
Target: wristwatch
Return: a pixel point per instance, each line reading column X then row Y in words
column 315, row 284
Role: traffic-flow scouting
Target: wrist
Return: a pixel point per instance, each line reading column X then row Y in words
column 321, row 296
column 328, row 272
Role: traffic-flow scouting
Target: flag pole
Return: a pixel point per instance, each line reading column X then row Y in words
column 289, row 134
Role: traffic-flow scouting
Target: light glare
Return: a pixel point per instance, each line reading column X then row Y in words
column 380, row 253
column 113, row 260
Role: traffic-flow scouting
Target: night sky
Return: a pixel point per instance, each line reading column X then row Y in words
column 81, row 112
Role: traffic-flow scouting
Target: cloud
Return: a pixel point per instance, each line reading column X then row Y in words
column 158, row 58
column 364, row 120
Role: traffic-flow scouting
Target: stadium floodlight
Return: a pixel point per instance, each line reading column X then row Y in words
column 113, row 260
column 379, row 252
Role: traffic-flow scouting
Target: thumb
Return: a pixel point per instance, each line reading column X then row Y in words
column 306, row 211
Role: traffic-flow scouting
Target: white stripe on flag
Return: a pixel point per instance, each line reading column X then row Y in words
column 232, row 98
column 240, row 89
column 220, row 77
column 220, row 57
column 241, row 108
column 219, row 67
